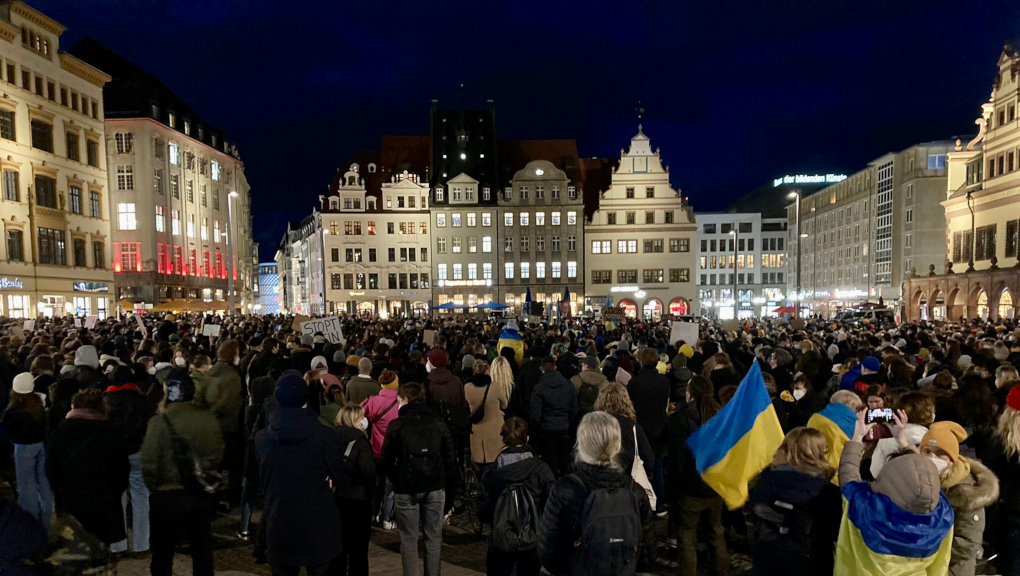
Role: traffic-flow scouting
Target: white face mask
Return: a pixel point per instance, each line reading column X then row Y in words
column 180, row 361
column 152, row 370
column 363, row 424
column 799, row 393
column 428, row 366
column 939, row 463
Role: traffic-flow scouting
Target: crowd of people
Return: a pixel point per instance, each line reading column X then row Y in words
column 568, row 442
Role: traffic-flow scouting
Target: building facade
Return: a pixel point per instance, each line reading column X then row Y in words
column 758, row 246
column 269, row 288
column 542, row 248
column 639, row 241
column 55, row 206
column 377, row 248
column 300, row 266
column 860, row 238
column 180, row 201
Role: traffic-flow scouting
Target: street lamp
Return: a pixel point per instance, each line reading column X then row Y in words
column 230, row 250
column 796, row 194
column 736, row 303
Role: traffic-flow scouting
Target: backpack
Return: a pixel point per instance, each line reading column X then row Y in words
column 515, row 520
column 610, row 534
column 422, row 443
column 457, row 418
column 198, row 477
column 587, row 394
column 783, row 528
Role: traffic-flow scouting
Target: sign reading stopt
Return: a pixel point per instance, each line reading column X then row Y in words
column 330, row 328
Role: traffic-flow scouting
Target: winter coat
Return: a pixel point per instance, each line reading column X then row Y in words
column 222, row 395
column 444, row 387
column 359, row 473
column 486, row 441
column 525, row 381
column 553, row 403
column 61, row 393
column 414, row 372
column 722, row 378
column 87, row 377
column 514, row 465
column 561, row 519
column 681, row 471
column 296, row 457
column 404, row 480
column 800, row 411
column 887, row 447
column 649, row 391
column 260, row 364
column 328, row 413
column 21, row 427
column 820, row 502
column 626, row 456
column 198, row 428
column 87, row 466
column 978, row 490
column 380, row 410
column 129, row 413
column 24, row 538
column 361, row 387
column 593, row 377
column 990, row 451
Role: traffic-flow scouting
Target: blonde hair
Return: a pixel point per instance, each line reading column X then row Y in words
column 502, row 375
column 805, row 450
column 350, row 415
column 847, row 398
column 598, row 440
column 481, row 367
column 1009, row 431
column 312, row 376
column 614, row 399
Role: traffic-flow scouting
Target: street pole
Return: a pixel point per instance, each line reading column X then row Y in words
column 230, row 250
column 798, row 295
column 736, row 301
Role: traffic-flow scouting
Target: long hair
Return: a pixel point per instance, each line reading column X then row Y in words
column 30, row 403
column 1009, row 431
column 615, row 400
column 598, row 440
column 805, row 450
column 350, row 416
column 703, row 392
column 502, row 375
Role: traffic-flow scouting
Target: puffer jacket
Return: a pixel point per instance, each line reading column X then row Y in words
column 969, row 498
column 553, row 403
column 199, row 429
column 593, row 377
column 380, row 410
column 221, row 394
column 514, row 465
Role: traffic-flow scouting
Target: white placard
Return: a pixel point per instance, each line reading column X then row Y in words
column 141, row 326
column 686, row 331
column 330, row 328
column 77, row 322
column 29, row 325
column 90, row 322
column 211, row 330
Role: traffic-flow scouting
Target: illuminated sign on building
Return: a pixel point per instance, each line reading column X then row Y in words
column 6, row 282
column 91, row 287
column 809, row 179
column 458, row 283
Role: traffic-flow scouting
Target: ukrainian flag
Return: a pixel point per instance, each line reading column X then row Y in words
column 736, row 444
column 836, row 422
column 878, row 538
column 510, row 338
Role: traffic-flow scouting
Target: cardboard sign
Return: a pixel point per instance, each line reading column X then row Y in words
column 330, row 328
column 797, row 323
column 613, row 314
column 429, row 338
column 731, row 325
column 686, row 331
column 77, row 322
column 141, row 327
column 211, row 330
column 298, row 320
column 17, row 332
column 90, row 322
column 29, row 325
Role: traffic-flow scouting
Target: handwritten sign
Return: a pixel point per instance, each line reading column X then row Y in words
column 77, row 322
column 329, row 327
column 429, row 338
column 299, row 319
column 211, row 330
column 141, row 327
column 90, row 322
column 686, row 331
column 613, row 314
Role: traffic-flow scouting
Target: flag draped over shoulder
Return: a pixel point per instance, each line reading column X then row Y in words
column 879, row 538
column 736, row 444
column 510, row 338
column 836, row 422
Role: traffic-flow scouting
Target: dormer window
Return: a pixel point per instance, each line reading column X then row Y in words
column 439, row 194
column 469, row 194
column 486, row 194
column 456, row 194
column 371, row 203
column 357, row 203
column 333, row 204
column 572, row 192
column 347, row 204
column 508, row 194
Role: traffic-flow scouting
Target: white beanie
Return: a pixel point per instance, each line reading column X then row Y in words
column 319, row 363
column 24, row 383
column 833, row 350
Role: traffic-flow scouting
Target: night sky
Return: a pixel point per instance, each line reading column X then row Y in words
column 735, row 94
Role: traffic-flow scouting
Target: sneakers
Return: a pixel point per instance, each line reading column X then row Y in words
column 388, row 525
column 243, row 535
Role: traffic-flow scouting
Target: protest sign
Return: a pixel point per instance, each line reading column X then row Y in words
column 141, row 327
column 429, row 338
column 211, row 330
column 77, row 322
column 29, row 325
column 90, row 322
column 613, row 314
column 686, row 331
column 298, row 319
column 731, row 325
column 329, row 327
column 797, row 323
column 17, row 332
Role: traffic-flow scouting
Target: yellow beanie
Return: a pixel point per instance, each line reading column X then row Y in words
column 389, row 380
column 945, row 436
column 686, row 350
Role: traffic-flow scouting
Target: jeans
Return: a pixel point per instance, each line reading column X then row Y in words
column 382, row 497
column 34, row 495
column 553, row 448
column 499, row 563
column 139, row 496
column 705, row 513
column 659, row 483
column 414, row 512
column 173, row 512
column 249, row 492
column 356, row 530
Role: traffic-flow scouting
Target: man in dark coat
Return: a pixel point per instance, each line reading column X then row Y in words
column 525, row 381
column 299, row 458
column 553, row 408
column 649, row 392
column 266, row 357
column 129, row 413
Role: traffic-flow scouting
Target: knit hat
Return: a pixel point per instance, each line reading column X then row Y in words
column 467, row 362
column 661, row 367
column 945, row 436
column 307, row 340
column 686, row 350
column 24, row 383
column 1013, row 398
column 622, row 376
column 592, row 362
column 901, row 344
column 179, row 386
column 389, row 380
column 871, row 363
column 964, row 362
column 339, row 357
column 291, row 391
column 439, row 358
column 833, row 350
column 352, row 360
column 319, row 363
column 86, row 356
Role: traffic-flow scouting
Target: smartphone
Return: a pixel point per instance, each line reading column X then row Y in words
column 879, row 416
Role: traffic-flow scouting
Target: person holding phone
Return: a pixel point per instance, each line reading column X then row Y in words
column 920, row 411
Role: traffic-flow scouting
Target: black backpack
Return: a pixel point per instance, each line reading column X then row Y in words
column 587, row 394
column 422, row 441
column 783, row 528
column 457, row 418
column 610, row 534
column 515, row 520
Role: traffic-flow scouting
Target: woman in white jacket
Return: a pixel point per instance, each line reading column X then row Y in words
column 920, row 409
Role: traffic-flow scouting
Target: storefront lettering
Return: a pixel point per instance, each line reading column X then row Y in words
column 7, row 283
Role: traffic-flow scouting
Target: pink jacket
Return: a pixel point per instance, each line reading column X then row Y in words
column 380, row 413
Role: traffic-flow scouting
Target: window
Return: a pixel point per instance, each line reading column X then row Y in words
column 334, row 254
column 456, row 244
column 540, row 219
column 571, row 269
column 441, row 270
column 216, row 199
column 189, row 186
column 508, row 244
column 10, row 184
column 556, row 243
column 611, row 218
column 653, row 245
column 652, row 276
column 524, row 243
column 98, row 255
column 45, row 191
column 216, row 230
column 910, row 215
column 626, row 276
column 334, row 281
column 650, row 217
column 92, row 152
column 175, row 186
column 936, row 161
column 472, row 244
column 205, row 228
column 630, row 218
column 524, row 218
column 487, row 271
column 1012, row 238
column 985, row 242
column 455, row 220
column 74, row 193
column 539, row 193
column 441, row 244
column 391, row 254
column 15, row 245
column 508, row 271
column 42, row 135
column 51, row 247
column 471, row 217
column 458, row 271
column 6, row 124
column 439, row 194
column 540, row 270
column 124, row 140
column 682, row 275
column 555, row 218
column 160, row 220
column 174, row 155
column 191, row 226
column 524, row 193
column 486, row 219
column 630, row 193
column 540, row 243
column 557, row 269
column 571, row 218
column 472, row 271
column 440, row 221
column 424, row 254
column 175, row 222
column 126, row 216
column 486, row 244
column 908, row 240
column 126, row 178
column 525, row 270
column 601, row 276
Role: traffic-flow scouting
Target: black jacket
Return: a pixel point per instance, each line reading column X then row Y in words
column 524, row 387
column 800, row 412
column 514, row 465
column 259, row 365
column 414, row 372
column 296, row 456
column 649, row 391
column 129, row 413
column 404, row 480
column 722, row 378
column 359, row 472
column 626, row 457
column 561, row 519
column 87, row 466
column 821, row 503
column 553, row 403
column 682, row 476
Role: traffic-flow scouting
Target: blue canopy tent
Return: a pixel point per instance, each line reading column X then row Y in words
column 492, row 306
column 447, row 306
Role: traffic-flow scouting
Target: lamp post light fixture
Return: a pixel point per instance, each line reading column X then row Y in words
column 796, row 195
column 230, row 251
column 736, row 300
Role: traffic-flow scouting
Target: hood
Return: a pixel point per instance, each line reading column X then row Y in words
column 600, row 477
column 979, row 490
column 291, row 426
column 108, row 357
column 261, row 388
column 889, row 529
column 346, row 435
column 789, row 485
column 441, row 376
column 593, row 377
column 850, row 377
column 516, row 464
column 480, row 380
column 161, row 365
column 911, row 482
column 86, row 356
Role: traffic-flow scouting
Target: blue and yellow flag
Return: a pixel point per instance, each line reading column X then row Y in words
column 736, row 444
column 878, row 538
column 510, row 338
column 836, row 422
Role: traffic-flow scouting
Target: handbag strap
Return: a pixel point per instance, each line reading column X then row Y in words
column 484, row 398
column 350, row 446
column 384, row 412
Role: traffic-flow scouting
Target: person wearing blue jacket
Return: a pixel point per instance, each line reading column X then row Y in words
column 553, row 407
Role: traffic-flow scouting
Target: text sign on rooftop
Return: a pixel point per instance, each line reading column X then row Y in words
column 809, row 179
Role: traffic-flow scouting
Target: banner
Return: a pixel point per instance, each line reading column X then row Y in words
column 330, row 328
column 613, row 314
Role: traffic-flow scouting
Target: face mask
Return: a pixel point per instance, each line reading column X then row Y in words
column 799, row 393
column 237, row 360
column 152, row 370
column 939, row 463
column 180, row 361
column 363, row 424
column 428, row 366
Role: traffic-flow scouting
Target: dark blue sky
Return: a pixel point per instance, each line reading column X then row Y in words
column 737, row 92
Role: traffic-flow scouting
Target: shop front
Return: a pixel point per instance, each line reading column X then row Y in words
column 52, row 297
column 379, row 303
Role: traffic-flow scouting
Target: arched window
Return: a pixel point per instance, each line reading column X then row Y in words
column 1006, row 304
column 982, row 305
column 371, row 168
